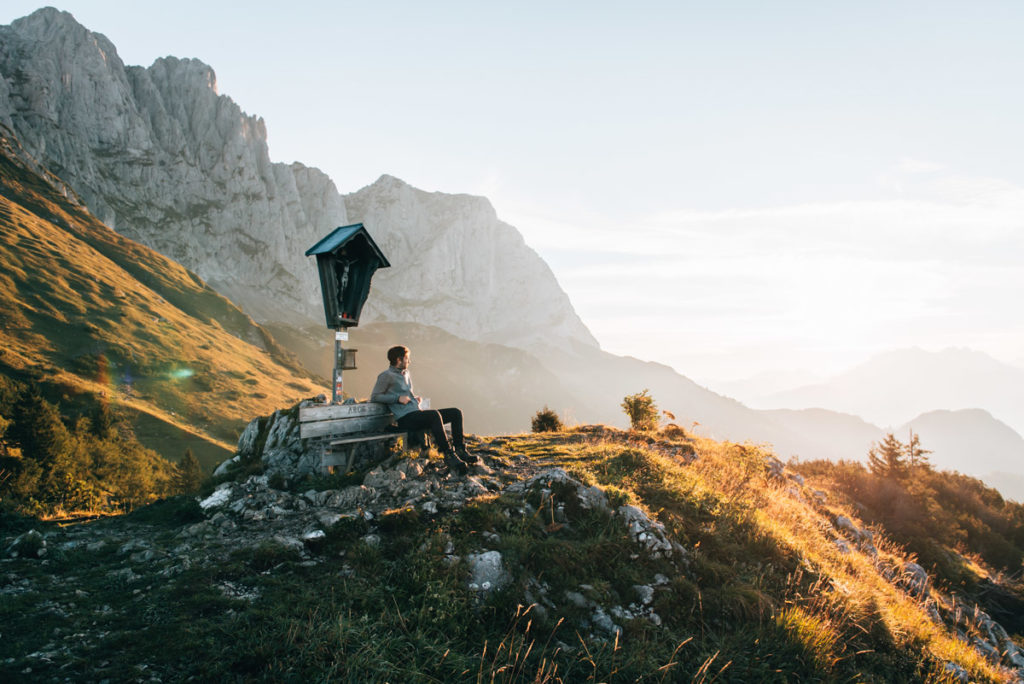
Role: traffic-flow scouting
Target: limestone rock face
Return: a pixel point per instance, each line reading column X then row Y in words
column 463, row 269
column 161, row 157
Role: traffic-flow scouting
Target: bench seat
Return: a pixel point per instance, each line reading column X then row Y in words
column 347, row 424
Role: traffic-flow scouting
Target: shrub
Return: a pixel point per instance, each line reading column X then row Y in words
column 642, row 412
column 546, row 420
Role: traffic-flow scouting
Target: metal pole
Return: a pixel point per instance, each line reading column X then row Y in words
column 339, row 364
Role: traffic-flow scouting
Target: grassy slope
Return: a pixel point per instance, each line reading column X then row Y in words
column 85, row 311
column 766, row 594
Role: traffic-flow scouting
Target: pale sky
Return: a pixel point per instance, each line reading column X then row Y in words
column 727, row 187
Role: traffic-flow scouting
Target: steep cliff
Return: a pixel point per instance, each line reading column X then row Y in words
column 457, row 263
column 162, row 158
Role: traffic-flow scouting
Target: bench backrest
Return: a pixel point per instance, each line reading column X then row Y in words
column 343, row 419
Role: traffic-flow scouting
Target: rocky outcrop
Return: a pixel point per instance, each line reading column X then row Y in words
column 274, row 442
column 161, row 157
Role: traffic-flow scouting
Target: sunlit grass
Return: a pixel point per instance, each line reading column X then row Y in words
column 844, row 598
column 87, row 311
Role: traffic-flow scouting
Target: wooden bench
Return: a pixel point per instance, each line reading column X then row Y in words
column 344, row 425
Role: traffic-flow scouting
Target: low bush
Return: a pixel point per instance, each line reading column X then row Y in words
column 642, row 412
column 546, row 420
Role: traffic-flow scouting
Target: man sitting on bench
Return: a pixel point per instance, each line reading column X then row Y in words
column 394, row 388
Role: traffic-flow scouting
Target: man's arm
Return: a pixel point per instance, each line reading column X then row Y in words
column 381, row 390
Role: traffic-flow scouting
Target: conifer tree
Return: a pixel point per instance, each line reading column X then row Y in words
column 37, row 429
column 917, row 457
column 886, row 459
column 189, row 474
column 4, row 424
column 102, row 419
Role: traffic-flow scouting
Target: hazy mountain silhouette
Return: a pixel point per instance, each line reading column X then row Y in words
column 764, row 384
column 972, row 442
column 892, row 388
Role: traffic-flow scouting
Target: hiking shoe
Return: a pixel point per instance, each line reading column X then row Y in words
column 466, row 457
column 455, row 464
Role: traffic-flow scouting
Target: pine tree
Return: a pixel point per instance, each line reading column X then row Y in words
column 886, row 459
column 189, row 474
column 4, row 424
column 102, row 419
column 917, row 457
column 37, row 429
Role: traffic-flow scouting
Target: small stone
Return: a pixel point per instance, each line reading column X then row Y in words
column 645, row 593
column 142, row 556
column 220, row 496
column 604, row 623
column 31, row 544
column 957, row 672
column 328, row 519
column 845, row 524
column 575, row 598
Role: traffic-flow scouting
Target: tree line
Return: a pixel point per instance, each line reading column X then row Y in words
column 52, row 465
column 928, row 511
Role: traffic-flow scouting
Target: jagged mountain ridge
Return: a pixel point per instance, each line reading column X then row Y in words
column 160, row 156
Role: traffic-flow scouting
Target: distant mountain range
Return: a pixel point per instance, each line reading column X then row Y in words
column 893, row 388
column 969, row 440
column 165, row 160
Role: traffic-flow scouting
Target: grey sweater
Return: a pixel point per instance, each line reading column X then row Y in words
column 392, row 384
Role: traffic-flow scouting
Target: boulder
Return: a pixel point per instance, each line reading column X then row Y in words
column 487, row 571
column 31, row 544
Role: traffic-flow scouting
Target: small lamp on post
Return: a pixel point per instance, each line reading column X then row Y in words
column 346, row 260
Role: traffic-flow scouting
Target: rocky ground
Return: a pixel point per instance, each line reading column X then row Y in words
column 93, row 587
column 142, row 556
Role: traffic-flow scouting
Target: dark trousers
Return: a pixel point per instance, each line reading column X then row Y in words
column 434, row 421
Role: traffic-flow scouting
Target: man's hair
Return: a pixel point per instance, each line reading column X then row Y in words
column 395, row 354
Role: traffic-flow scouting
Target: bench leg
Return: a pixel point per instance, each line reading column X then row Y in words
column 350, row 459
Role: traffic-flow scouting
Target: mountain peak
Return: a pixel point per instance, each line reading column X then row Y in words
column 189, row 70
column 49, row 24
column 48, row 17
